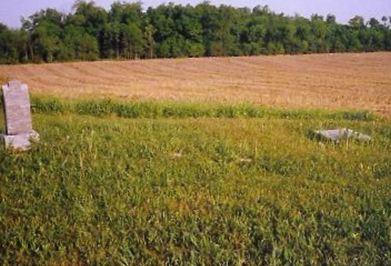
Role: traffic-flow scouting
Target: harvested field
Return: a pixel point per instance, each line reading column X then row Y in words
column 357, row 81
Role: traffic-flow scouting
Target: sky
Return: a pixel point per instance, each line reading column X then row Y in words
column 11, row 11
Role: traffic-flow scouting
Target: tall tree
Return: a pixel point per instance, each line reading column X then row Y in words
column 126, row 31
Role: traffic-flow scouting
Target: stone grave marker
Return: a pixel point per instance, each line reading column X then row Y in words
column 17, row 114
column 341, row 133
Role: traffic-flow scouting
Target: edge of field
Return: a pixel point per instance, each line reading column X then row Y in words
column 175, row 109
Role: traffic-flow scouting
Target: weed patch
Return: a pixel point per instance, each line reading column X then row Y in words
column 221, row 185
column 186, row 110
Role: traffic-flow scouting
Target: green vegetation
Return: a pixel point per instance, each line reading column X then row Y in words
column 127, row 31
column 161, row 109
column 208, row 189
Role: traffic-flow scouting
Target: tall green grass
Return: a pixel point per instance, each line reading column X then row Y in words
column 151, row 109
column 221, row 189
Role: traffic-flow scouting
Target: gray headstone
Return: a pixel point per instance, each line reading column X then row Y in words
column 16, row 108
column 21, row 141
column 18, row 126
column 341, row 133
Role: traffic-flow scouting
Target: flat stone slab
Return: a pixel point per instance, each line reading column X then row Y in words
column 16, row 102
column 341, row 133
column 20, row 142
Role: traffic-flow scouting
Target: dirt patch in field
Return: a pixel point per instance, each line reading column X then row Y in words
column 360, row 81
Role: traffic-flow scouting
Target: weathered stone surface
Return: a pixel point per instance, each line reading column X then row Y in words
column 16, row 108
column 20, row 142
column 341, row 133
column 18, row 126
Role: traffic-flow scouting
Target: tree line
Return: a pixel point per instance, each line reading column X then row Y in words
column 126, row 31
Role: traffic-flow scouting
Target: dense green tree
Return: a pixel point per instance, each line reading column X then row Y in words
column 79, row 44
column 125, row 31
column 149, row 40
column 331, row 19
column 8, row 50
column 92, row 19
column 89, row 16
column 45, row 29
column 357, row 22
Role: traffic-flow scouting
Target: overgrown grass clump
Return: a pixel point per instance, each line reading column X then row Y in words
column 215, row 189
column 154, row 109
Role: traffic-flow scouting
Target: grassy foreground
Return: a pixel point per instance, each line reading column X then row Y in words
column 195, row 189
